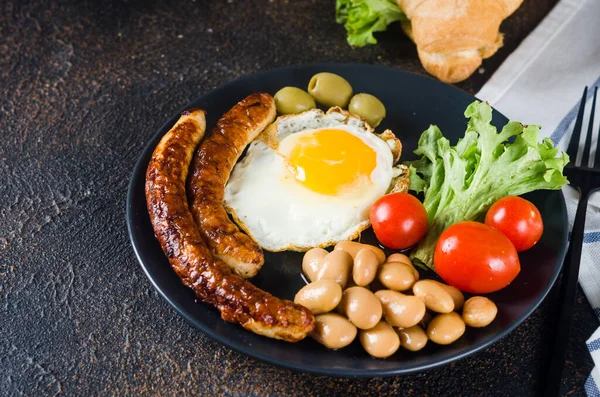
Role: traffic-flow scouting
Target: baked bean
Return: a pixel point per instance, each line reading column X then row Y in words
column 435, row 296
column 404, row 259
column 457, row 296
column 397, row 276
column 365, row 267
column 352, row 247
column 446, row 328
column 401, row 310
column 479, row 311
column 336, row 266
column 413, row 338
column 333, row 331
column 398, row 257
column 312, row 261
column 320, row 296
column 361, row 307
column 380, row 341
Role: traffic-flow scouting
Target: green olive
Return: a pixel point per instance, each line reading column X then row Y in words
column 291, row 100
column 329, row 89
column 368, row 107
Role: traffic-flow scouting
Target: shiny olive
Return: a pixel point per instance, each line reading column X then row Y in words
column 446, row 328
column 368, row 107
column 321, row 296
column 380, row 341
column 413, row 338
column 333, row 331
column 479, row 311
column 292, row 100
column 329, row 89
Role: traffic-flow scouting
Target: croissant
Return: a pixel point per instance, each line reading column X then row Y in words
column 454, row 36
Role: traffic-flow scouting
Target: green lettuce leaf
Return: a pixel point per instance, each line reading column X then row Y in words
column 461, row 182
column 362, row 18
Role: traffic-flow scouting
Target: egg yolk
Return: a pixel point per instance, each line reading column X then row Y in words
column 329, row 161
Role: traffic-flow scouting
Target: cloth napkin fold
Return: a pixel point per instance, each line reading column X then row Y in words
column 541, row 82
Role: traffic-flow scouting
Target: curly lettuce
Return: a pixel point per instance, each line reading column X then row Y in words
column 461, row 182
column 362, row 18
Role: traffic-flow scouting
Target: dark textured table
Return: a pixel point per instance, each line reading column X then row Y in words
column 84, row 87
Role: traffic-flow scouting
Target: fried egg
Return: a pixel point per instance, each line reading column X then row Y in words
column 310, row 179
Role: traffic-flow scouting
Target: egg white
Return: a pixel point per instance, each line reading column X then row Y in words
column 279, row 213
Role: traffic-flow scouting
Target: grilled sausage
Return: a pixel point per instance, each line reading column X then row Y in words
column 211, row 279
column 211, row 168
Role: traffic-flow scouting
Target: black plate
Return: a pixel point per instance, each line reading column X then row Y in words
column 413, row 102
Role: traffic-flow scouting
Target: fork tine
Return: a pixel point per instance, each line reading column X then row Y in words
column 597, row 157
column 573, row 147
column 588, row 137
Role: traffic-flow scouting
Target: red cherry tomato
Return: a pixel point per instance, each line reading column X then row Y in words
column 399, row 220
column 475, row 258
column 518, row 219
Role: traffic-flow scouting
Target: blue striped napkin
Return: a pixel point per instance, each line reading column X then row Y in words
column 541, row 83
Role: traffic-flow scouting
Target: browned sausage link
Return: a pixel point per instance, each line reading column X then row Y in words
column 211, row 168
column 211, row 279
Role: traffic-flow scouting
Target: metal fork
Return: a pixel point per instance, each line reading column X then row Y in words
column 587, row 180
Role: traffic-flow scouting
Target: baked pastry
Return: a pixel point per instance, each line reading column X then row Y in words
column 453, row 37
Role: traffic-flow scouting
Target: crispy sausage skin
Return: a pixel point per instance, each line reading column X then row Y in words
column 211, row 168
column 211, row 279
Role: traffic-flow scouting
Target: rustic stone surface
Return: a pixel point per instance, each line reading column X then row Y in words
column 84, row 87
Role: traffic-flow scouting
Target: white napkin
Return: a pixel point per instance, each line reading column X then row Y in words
column 541, row 83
